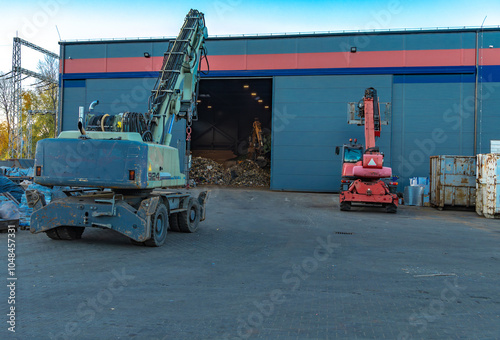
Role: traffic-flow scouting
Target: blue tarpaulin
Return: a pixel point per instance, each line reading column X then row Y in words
column 17, row 172
column 6, row 185
column 9, row 210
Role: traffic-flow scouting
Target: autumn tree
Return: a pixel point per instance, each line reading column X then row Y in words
column 5, row 114
column 41, row 98
column 40, row 102
column 49, row 69
column 43, row 124
column 4, row 140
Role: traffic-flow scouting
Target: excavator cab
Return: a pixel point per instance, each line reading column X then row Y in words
column 352, row 155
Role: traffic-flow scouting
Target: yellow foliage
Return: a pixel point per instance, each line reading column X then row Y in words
column 42, row 125
column 4, row 140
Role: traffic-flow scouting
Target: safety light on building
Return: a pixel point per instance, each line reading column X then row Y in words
column 260, row 100
column 254, row 93
column 246, row 86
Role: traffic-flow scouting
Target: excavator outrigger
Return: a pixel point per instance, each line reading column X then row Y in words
column 364, row 178
column 121, row 167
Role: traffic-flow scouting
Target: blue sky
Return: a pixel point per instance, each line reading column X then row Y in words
column 36, row 20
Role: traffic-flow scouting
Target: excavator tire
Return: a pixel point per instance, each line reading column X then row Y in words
column 137, row 243
column 174, row 222
column 65, row 233
column 159, row 227
column 189, row 220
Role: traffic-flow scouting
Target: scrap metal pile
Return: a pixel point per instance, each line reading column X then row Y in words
column 207, row 171
column 245, row 173
column 13, row 204
column 13, row 183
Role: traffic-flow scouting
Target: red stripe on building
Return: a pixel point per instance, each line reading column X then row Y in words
column 414, row 58
column 489, row 56
column 85, row 65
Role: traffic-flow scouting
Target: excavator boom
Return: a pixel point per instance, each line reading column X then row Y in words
column 174, row 94
column 371, row 112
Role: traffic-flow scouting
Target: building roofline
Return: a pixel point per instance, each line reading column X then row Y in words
column 295, row 34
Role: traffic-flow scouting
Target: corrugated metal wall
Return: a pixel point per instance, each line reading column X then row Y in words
column 429, row 77
column 488, row 91
column 434, row 115
column 309, row 120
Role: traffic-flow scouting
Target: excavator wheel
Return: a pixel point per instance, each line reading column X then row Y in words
column 391, row 208
column 65, row 233
column 159, row 227
column 190, row 220
column 174, row 222
column 345, row 206
column 137, row 243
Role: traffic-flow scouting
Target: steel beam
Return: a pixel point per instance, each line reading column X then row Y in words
column 16, row 134
column 35, row 47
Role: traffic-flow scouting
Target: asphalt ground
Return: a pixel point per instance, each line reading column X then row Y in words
column 266, row 265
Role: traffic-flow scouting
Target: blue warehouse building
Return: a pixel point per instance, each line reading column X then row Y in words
column 442, row 85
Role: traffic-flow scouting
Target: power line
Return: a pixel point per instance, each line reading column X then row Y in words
column 16, row 147
column 6, row 74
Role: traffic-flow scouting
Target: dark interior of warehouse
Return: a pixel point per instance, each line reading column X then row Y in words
column 227, row 110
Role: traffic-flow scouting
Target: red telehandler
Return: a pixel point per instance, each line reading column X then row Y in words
column 364, row 178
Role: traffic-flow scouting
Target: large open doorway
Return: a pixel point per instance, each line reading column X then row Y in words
column 227, row 110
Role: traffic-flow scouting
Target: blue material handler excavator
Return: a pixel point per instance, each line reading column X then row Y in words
column 121, row 169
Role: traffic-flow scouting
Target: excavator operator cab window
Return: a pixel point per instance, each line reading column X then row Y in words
column 353, row 155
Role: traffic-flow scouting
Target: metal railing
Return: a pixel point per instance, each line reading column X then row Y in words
column 250, row 35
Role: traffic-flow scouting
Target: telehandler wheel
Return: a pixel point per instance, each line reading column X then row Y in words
column 159, row 227
column 174, row 222
column 345, row 206
column 391, row 208
column 65, row 233
column 189, row 220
